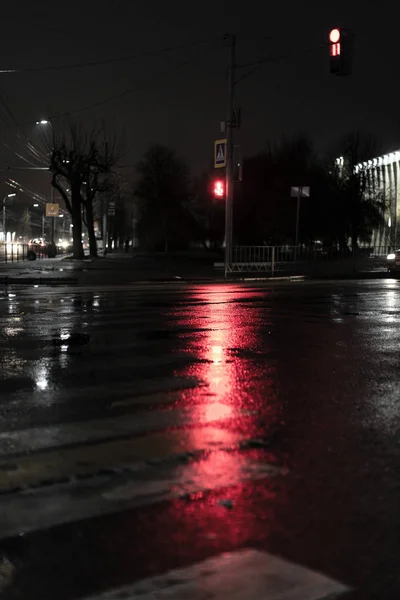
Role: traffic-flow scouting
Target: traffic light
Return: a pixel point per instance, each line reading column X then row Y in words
column 340, row 51
column 219, row 189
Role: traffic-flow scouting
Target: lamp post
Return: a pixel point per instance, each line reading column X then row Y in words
column 4, row 212
column 37, row 206
column 44, row 123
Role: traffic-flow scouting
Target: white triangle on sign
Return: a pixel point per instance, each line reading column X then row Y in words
column 220, row 154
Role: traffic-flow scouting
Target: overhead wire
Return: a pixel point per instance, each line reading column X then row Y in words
column 6, row 115
column 32, row 165
column 126, row 92
column 257, row 64
column 109, row 61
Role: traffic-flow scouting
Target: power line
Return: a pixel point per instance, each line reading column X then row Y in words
column 107, row 61
column 122, row 94
column 6, row 116
column 257, row 64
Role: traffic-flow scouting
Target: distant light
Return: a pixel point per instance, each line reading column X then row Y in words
column 42, row 383
column 43, row 122
column 61, row 216
column 36, row 206
column 11, row 195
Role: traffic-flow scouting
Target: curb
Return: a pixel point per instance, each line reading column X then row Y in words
column 37, row 280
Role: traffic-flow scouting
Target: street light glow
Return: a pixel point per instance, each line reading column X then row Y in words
column 36, row 206
column 11, row 195
column 42, row 122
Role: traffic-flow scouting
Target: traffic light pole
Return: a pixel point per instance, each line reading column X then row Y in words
column 229, row 154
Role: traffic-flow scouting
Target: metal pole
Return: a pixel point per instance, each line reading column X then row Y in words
column 43, row 226
column 52, row 218
column 273, row 261
column 4, row 219
column 229, row 154
column 298, row 215
column 105, row 233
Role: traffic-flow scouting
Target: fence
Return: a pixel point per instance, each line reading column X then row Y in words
column 300, row 258
column 14, row 251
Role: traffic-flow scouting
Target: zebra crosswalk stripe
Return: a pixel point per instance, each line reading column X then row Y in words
column 242, row 575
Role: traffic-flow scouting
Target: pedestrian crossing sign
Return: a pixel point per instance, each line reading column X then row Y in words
column 52, row 210
column 220, row 153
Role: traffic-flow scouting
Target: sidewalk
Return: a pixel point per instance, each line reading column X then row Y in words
column 108, row 270
column 120, row 269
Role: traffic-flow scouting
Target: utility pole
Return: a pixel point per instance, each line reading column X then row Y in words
column 299, row 191
column 230, row 118
column 52, row 218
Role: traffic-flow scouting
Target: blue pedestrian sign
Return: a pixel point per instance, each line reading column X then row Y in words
column 220, row 153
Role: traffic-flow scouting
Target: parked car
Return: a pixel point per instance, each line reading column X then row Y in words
column 41, row 248
column 393, row 262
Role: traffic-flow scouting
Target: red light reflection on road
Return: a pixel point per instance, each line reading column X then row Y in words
column 225, row 330
column 236, row 384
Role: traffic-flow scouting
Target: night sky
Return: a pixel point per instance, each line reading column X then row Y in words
column 181, row 104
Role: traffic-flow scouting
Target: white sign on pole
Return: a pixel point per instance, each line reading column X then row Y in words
column 52, row 209
column 220, row 153
column 302, row 191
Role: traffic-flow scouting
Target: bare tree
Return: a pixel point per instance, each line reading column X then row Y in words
column 26, row 225
column 360, row 204
column 80, row 160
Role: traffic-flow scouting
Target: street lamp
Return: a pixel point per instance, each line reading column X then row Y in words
column 4, row 212
column 36, row 205
column 44, row 123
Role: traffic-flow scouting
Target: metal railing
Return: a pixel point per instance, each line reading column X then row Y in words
column 278, row 258
column 15, row 252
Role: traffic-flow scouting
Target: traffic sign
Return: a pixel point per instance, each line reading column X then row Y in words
column 300, row 191
column 220, row 153
column 52, row 210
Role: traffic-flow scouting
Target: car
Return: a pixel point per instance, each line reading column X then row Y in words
column 393, row 261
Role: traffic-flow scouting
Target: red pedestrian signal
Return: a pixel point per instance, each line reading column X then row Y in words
column 340, row 51
column 334, row 38
column 219, row 189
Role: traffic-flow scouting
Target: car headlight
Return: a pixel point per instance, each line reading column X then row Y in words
column 391, row 256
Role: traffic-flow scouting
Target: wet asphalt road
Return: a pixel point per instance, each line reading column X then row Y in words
column 144, row 428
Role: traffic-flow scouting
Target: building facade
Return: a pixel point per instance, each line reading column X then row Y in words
column 383, row 177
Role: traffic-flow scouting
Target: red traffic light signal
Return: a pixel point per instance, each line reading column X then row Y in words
column 219, row 189
column 340, row 51
column 334, row 38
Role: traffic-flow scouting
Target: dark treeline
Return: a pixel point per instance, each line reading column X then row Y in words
column 174, row 211
column 166, row 209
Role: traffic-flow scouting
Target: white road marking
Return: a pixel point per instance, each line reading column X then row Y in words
column 242, row 575
column 52, row 436
column 38, row 509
